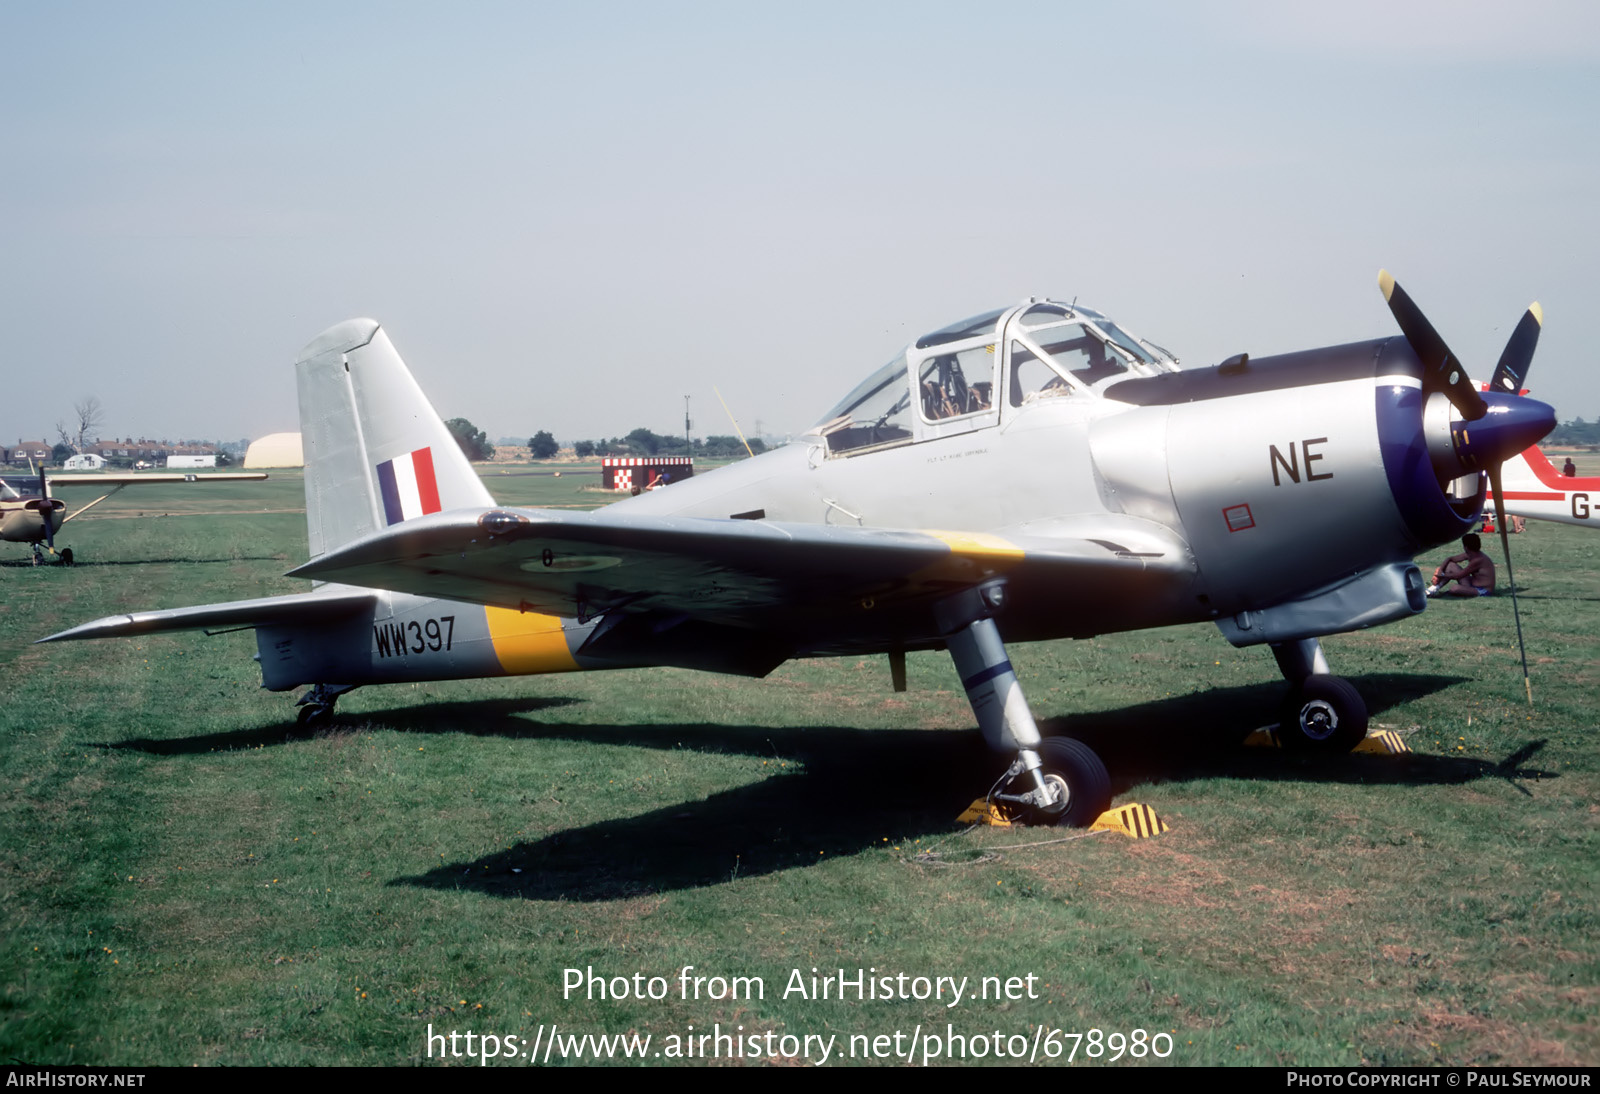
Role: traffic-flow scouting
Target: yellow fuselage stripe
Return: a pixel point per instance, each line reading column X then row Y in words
column 979, row 545
column 527, row 642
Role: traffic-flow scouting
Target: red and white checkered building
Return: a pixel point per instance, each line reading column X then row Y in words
column 626, row 472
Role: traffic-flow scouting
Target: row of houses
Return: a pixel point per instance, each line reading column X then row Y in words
column 122, row 453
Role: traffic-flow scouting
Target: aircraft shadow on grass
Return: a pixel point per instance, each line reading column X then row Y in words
column 851, row 789
column 483, row 718
column 858, row 788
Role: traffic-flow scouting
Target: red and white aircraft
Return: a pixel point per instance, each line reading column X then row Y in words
column 1536, row 488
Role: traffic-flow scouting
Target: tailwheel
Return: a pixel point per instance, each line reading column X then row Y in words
column 1085, row 787
column 1323, row 714
column 316, row 705
column 315, row 715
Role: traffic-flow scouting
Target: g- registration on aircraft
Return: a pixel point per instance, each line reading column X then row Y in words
column 1537, row 490
column 1033, row 472
column 28, row 514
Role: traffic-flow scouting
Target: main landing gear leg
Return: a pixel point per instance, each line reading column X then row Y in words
column 1321, row 713
column 316, row 705
column 63, row 556
column 1057, row 780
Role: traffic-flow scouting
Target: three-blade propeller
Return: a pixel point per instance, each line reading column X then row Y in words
column 1514, row 422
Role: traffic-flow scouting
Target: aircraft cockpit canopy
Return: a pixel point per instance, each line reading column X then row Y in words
column 967, row 375
column 19, row 490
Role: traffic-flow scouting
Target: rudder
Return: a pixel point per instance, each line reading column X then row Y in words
column 376, row 451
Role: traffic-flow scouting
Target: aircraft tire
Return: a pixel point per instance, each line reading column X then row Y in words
column 1087, row 782
column 314, row 715
column 66, row 556
column 1323, row 714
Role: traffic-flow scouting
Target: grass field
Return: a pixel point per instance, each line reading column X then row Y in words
column 189, row 879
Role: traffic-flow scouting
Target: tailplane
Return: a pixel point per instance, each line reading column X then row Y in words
column 376, row 452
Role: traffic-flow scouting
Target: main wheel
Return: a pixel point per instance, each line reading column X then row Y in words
column 1086, row 786
column 66, row 556
column 1324, row 714
column 314, row 715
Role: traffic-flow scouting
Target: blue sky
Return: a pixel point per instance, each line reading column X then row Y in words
column 569, row 217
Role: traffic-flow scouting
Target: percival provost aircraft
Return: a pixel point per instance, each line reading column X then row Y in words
column 28, row 514
column 1537, row 490
column 1030, row 473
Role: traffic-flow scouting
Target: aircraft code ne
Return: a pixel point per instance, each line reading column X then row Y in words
column 398, row 639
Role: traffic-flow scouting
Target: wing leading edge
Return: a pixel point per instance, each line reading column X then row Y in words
column 153, row 478
column 324, row 605
column 794, row 579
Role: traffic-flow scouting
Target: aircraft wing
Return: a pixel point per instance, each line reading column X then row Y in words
column 795, row 578
column 97, row 479
column 297, row 608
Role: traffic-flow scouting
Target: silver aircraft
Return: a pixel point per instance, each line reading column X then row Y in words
column 1030, row 473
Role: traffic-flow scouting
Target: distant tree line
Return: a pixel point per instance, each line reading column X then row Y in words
column 639, row 442
column 645, row 442
column 1576, row 431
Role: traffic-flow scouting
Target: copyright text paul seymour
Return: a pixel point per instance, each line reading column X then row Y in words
column 1472, row 1078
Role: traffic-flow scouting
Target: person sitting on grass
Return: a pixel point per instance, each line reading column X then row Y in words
column 1470, row 573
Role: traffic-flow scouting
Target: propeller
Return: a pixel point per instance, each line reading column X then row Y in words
column 1511, row 577
column 1508, row 377
column 1495, row 426
column 46, row 512
column 1441, row 371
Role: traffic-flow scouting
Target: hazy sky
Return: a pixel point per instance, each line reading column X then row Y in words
column 570, row 216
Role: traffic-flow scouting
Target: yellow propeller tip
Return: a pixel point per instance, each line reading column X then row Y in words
column 1386, row 283
column 1537, row 312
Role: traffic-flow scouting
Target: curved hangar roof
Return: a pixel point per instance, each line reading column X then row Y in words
column 275, row 450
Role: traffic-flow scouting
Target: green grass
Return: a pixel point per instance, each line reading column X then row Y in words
column 189, row 879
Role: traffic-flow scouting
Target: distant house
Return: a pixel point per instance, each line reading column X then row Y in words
column 147, row 453
column 123, row 452
column 36, row 451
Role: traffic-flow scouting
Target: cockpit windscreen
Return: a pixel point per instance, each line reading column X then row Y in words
column 877, row 412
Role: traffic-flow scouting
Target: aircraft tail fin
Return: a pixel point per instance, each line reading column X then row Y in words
column 1520, row 472
column 376, row 452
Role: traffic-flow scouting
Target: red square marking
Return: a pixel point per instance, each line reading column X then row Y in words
column 1238, row 518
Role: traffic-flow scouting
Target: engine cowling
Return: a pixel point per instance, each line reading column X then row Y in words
column 1281, row 470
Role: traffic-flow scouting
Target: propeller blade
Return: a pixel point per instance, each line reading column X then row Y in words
column 1511, row 578
column 46, row 511
column 1512, row 370
column 1441, row 371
